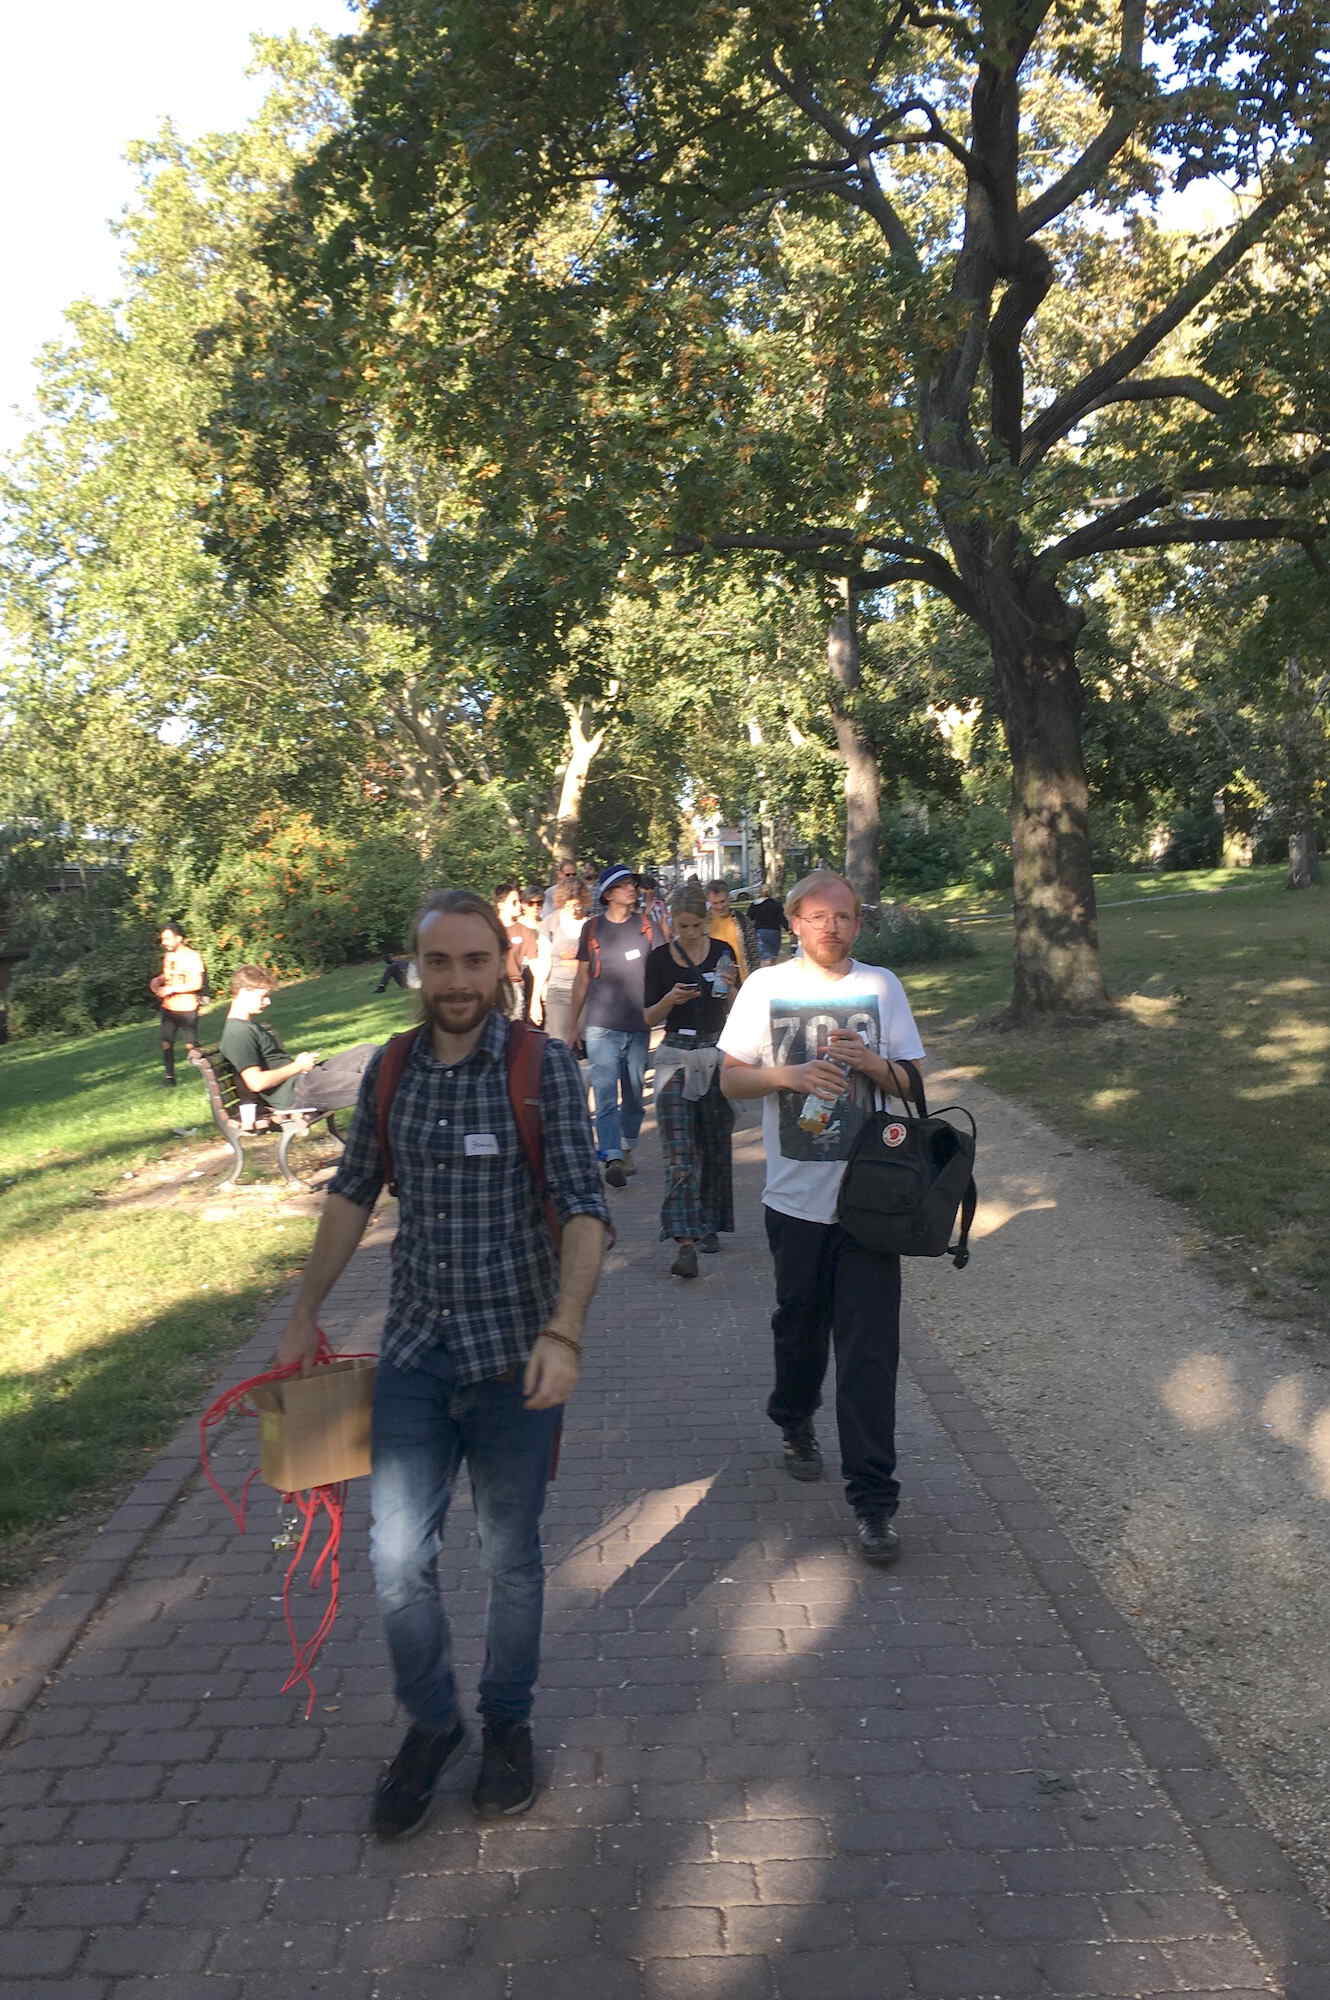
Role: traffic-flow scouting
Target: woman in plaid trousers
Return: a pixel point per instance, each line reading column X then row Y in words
column 689, row 985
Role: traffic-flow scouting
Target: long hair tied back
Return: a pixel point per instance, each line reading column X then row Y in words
column 467, row 903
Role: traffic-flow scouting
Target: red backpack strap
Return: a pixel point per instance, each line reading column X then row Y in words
column 525, row 1056
column 393, row 1061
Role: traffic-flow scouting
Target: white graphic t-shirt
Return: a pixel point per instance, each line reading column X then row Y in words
column 783, row 1014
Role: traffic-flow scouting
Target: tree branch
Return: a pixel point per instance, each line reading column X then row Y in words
column 937, row 132
column 869, row 195
column 1256, row 528
column 1083, row 174
column 883, row 579
column 1290, row 478
column 1165, row 388
column 1086, row 541
column 1063, row 415
column 1098, row 535
column 915, row 561
column 886, row 39
column 1022, row 300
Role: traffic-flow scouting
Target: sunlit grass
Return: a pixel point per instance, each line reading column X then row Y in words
column 112, row 1314
column 962, row 902
column 1209, row 1081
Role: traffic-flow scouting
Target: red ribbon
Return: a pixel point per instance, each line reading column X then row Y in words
column 329, row 1500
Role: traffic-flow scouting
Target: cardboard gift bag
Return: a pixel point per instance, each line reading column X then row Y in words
column 314, row 1430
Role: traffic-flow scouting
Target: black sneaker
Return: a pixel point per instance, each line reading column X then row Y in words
column 878, row 1540
column 507, row 1782
column 405, row 1793
column 803, row 1457
column 709, row 1244
column 615, row 1176
column 685, row 1261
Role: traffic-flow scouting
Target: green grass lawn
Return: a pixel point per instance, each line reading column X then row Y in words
column 1210, row 1081
column 114, row 1311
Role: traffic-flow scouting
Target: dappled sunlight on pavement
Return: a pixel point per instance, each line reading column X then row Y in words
column 1188, row 1454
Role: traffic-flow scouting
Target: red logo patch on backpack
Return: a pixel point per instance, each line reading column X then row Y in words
column 894, row 1134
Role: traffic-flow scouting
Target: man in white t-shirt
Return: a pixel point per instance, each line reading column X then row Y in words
column 814, row 1039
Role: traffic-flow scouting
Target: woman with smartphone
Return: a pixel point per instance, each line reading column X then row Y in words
column 689, row 985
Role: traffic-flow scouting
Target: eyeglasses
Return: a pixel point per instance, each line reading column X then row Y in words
column 826, row 922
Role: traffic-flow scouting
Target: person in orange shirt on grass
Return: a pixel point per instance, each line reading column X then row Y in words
column 178, row 987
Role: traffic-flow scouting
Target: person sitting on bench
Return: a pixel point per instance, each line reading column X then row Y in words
column 267, row 1072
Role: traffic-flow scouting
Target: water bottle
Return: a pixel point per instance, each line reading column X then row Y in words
column 816, row 1113
column 719, row 975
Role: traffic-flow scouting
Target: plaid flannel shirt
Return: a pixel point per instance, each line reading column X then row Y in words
column 472, row 1264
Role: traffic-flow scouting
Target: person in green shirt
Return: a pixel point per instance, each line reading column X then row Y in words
column 283, row 1082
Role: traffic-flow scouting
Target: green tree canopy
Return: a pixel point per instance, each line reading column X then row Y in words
column 884, row 292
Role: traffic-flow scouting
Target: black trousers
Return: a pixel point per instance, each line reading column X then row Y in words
column 829, row 1291
column 171, row 1026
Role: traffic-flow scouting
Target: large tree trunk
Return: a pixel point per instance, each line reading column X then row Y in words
column 584, row 740
column 1057, row 969
column 774, row 832
column 863, row 785
column 772, row 828
column 1304, row 865
column 1300, row 777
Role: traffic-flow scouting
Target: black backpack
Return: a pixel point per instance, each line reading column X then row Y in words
column 907, row 1174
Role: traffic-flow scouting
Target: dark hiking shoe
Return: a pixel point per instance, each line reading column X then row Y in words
column 685, row 1261
column 803, row 1456
column 878, row 1540
column 507, row 1782
column 615, row 1176
column 405, row 1793
column 709, row 1244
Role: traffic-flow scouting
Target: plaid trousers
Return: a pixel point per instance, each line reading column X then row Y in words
column 699, row 1170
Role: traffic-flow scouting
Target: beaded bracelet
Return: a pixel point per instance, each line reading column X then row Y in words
column 548, row 1333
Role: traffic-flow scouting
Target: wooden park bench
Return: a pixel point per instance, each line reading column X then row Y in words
column 226, row 1094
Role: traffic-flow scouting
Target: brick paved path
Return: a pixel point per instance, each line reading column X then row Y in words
column 772, row 1772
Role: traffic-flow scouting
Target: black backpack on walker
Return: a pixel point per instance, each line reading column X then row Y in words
column 907, row 1175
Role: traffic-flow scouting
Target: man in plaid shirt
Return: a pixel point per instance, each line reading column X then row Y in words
column 480, row 1349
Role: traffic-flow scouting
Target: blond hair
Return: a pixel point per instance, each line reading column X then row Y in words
column 689, row 901
column 809, row 885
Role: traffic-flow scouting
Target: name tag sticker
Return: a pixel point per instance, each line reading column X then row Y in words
column 632, row 954
column 480, row 1146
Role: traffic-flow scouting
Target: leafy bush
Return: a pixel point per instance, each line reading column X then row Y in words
column 476, row 847
column 906, row 935
column 1119, row 837
column 48, row 1004
column 91, row 949
column 917, row 858
column 1195, row 838
column 299, row 899
column 969, row 841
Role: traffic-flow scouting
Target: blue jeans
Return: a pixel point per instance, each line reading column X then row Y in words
column 425, row 1426
column 618, row 1062
column 768, row 945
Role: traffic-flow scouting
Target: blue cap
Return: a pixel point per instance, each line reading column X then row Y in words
column 616, row 872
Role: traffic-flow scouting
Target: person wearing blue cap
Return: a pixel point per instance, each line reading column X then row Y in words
column 608, row 997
